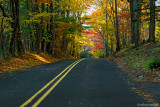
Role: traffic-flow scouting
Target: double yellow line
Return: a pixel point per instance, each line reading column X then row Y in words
column 65, row 72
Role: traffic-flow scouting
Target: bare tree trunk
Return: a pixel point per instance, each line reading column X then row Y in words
column 132, row 22
column 20, row 46
column 135, row 22
column 16, row 40
column 152, row 22
column 1, row 41
column 111, row 44
column 52, row 30
column 38, row 32
column 106, row 41
column 43, row 42
column 2, row 37
column 117, row 29
column 29, row 42
column 65, row 40
column 52, row 45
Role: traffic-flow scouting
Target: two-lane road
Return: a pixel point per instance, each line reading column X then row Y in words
column 68, row 83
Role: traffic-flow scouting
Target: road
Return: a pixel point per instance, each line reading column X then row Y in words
column 85, row 83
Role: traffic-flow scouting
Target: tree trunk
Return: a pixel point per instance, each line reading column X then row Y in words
column 152, row 22
column 1, row 41
column 132, row 22
column 111, row 44
column 117, row 29
column 16, row 40
column 136, row 21
column 43, row 42
column 29, row 42
column 106, row 41
column 52, row 31
column 38, row 32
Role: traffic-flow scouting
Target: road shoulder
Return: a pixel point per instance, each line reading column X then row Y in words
column 150, row 90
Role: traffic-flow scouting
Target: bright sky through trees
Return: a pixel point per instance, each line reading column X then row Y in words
column 157, row 2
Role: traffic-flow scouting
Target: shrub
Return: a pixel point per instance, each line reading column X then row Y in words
column 154, row 64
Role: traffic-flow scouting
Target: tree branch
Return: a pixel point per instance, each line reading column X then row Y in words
column 101, row 33
column 3, row 11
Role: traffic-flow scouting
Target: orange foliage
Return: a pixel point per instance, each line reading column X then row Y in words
column 124, row 15
column 43, row 1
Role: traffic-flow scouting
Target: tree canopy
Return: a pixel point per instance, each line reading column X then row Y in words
column 69, row 27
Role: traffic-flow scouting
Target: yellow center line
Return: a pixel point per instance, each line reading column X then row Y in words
column 48, row 92
column 42, row 89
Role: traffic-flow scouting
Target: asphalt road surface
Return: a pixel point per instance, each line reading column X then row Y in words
column 68, row 83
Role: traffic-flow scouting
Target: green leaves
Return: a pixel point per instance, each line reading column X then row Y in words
column 154, row 64
column 66, row 19
column 47, row 37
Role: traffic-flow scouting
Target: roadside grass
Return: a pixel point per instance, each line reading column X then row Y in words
column 140, row 60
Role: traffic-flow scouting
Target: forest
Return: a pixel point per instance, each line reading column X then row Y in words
column 79, row 53
column 97, row 28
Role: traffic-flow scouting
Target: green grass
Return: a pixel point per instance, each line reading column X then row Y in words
column 142, row 57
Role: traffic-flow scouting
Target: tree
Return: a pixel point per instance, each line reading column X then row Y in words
column 117, row 29
column 152, row 22
column 16, row 40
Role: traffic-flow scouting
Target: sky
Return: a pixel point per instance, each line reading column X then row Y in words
column 158, row 2
column 92, row 9
column 89, row 12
